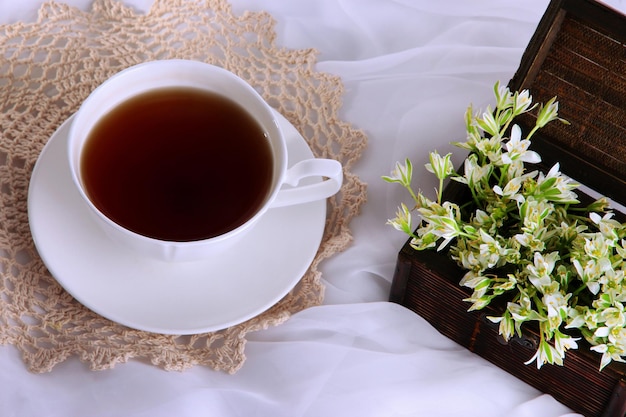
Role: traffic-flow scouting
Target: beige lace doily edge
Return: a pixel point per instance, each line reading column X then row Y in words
column 36, row 315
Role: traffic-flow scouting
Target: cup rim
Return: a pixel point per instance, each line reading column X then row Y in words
column 75, row 140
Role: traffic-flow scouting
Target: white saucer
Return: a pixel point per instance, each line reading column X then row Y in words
column 169, row 298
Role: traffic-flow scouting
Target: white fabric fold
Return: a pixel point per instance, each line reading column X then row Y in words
column 410, row 69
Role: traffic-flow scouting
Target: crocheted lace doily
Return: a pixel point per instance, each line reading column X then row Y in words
column 49, row 67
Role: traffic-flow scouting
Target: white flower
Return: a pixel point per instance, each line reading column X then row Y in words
column 602, row 332
column 446, row 228
column 513, row 186
column 546, row 354
column 591, row 272
column 469, row 260
column 480, row 284
column 555, row 187
column 401, row 174
column 424, row 239
column 598, row 247
column 508, row 284
column 609, row 353
column 522, row 310
column 533, row 212
column 543, row 265
column 522, row 102
column 444, row 223
column 556, row 303
column 439, row 165
column 576, row 318
column 614, row 316
column 517, row 149
column 474, row 173
column 612, row 281
column 530, row 241
column 491, row 148
column 549, row 112
column 563, row 343
column 504, row 97
column 402, row 221
column 506, row 328
column 606, row 224
column 490, row 250
column 488, row 122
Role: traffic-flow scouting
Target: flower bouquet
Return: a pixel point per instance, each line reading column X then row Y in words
column 523, row 236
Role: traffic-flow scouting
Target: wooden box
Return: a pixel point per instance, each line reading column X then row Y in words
column 578, row 53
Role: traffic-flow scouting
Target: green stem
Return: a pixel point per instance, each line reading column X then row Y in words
column 532, row 132
column 581, row 209
column 503, row 170
column 474, row 197
column 413, row 196
column 539, row 304
column 440, row 191
column 579, row 290
column 505, row 127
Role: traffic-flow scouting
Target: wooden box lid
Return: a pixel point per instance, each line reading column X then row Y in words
column 578, row 53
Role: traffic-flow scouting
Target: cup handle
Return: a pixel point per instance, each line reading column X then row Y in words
column 328, row 168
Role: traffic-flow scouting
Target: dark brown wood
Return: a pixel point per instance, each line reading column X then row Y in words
column 617, row 404
column 578, row 53
column 433, row 292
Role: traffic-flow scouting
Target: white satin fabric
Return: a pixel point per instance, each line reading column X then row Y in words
column 410, row 69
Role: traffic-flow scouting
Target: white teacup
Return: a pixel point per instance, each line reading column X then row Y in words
column 176, row 75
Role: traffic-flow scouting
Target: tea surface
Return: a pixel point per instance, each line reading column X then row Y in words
column 178, row 164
